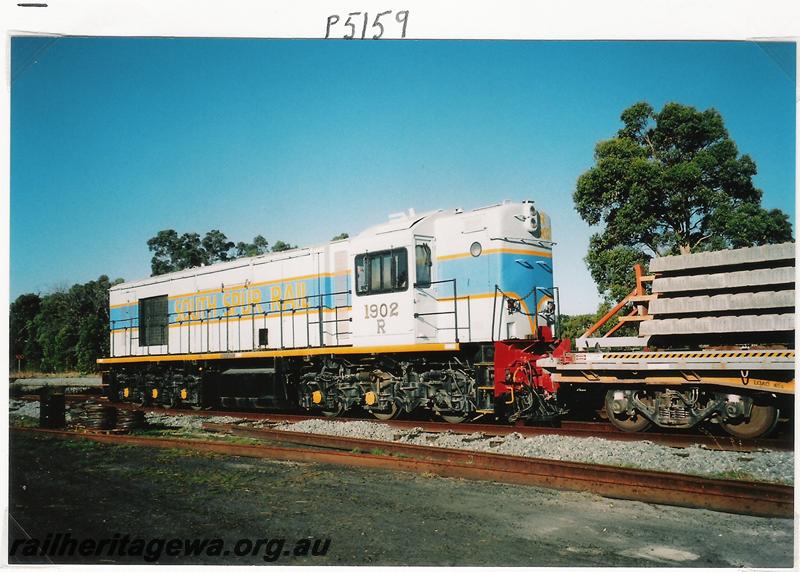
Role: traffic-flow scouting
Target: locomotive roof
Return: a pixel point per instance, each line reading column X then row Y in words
column 218, row 267
column 396, row 222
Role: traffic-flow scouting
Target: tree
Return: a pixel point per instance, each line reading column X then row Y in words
column 280, row 246
column 22, row 331
column 670, row 182
column 164, row 247
column 89, row 310
column 217, row 247
column 341, row 236
column 65, row 329
column 255, row 248
column 172, row 252
column 56, row 333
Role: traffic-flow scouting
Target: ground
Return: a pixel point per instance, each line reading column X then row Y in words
column 371, row 517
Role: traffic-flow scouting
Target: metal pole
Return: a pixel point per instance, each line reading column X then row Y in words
column 280, row 310
column 321, row 329
column 469, row 319
column 558, row 314
column 455, row 306
column 308, row 333
column 494, row 309
column 336, row 323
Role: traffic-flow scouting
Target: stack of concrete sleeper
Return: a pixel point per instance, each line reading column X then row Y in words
column 723, row 292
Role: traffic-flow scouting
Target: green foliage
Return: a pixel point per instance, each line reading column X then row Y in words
column 216, row 246
column 280, row 246
column 22, row 330
column 670, row 182
column 341, row 236
column 258, row 246
column 63, row 330
column 613, row 267
column 173, row 252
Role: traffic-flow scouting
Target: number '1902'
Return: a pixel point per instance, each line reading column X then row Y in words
column 383, row 310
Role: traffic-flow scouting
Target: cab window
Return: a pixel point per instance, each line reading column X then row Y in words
column 382, row 272
column 422, row 255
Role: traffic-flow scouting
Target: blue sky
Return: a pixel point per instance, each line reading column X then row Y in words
column 114, row 139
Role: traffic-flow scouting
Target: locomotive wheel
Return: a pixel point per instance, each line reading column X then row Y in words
column 623, row 421
column 763, row 419
column 391, row 413
column 457, row 418
column 332, row 412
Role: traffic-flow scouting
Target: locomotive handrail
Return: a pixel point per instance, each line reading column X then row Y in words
column 516, row 308
column 454, row 312
column 207, row 315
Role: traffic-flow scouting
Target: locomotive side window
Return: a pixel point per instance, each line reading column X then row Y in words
column 382, row 272
column 423, row 260
column 153, row 318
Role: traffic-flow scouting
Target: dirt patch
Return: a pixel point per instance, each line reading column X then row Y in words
column 371, row 517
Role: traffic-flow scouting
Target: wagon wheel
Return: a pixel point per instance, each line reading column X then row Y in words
column 624, row 422
column 391, row 413
column 762, row 421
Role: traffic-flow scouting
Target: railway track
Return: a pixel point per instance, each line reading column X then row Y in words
column 752, row 498
column 567, row 428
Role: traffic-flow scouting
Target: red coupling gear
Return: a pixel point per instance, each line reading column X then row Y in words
column 515, row 365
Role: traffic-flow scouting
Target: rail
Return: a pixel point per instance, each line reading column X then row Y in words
column 218, row 320
column 741, row 497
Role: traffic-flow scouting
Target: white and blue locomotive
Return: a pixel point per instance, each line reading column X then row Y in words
column 411, row 313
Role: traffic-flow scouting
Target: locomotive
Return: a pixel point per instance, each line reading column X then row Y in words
column 445, row 311
column 455, row 312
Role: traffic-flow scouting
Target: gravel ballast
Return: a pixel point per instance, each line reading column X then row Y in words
column 770, row 466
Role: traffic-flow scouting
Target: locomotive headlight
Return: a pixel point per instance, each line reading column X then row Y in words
column 475, row 249
column 531, row 218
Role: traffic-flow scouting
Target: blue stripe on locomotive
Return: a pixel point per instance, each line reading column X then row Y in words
column 237, row 302
column 512, row 272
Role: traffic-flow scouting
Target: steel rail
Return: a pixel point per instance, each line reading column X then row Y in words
column 601, row 430
column 740, row 497
column 568, row 429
